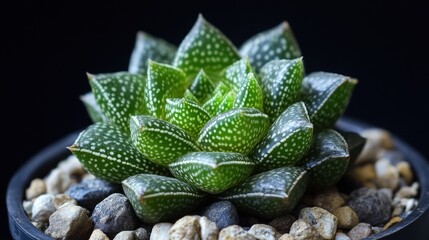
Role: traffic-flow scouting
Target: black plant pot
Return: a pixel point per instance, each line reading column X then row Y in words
column 413, row 227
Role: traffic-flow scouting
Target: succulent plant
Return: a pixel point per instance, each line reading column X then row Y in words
column 206, row 120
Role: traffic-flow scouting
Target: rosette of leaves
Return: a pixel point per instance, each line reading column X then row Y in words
column 206, row 120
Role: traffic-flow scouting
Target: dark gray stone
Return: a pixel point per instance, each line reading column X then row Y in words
column 282, row 224
column 371, row 206
column 223, row 213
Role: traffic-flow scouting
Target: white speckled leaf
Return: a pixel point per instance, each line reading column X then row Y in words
column 212, row 105
column 107, row 153
column 202, row 86
column 326, row 96
column 188, row 95
column 250, row 94
column 119, row 95
column 163, row 81
column 281, row 85
column 160, row 141
column 227, row 102
column 287, row 141
column 157, row 198
column 276, row 43
column 222, row 88
column 92, row 108
column 205, row 47
column 270, row 194
column 237, row 130
column 236, row 74
column 149, row 47
column 212, row 172
column 187, row 115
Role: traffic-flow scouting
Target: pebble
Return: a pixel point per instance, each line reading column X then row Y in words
column 376, row 230
column 363, row 174
column 360, row 231
column 341, row 236
column 392, row 222
column 235, row 232
column 114, row 214
column 286, row 236
column 408, row 191
column 61, row 199
column 380, row 203
column 376, row 140
column 405, row 171
column 90, row 192
column 223, row 213
column 329, row 200
column 347, row 218
column 411, row 204
column 43, row 208
column 72, row 166
column 40, row 226
column 28, row 206
column 323, row 221
column 126, row 235
column 301, row 230
column 208, row 229
column 264, row 232
column 160, row 231
column 187, row 227
column 57, row 181
column 141, row 234
column 69, row 222
column 387, row 174
column 282, row 224
column 37, row 187
column 97, row 234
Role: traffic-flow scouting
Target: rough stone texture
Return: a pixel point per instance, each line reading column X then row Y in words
column 57, row 181
column 376, row 230
column 360, row 231
column 126, row 235
column 90, row 192
column 341, row 236
column 43, row 208
column 347, row 218
column 69, row 222
column 187, row 227
column 264, row 232
column 392, row 222
column 61, row 199
column 387, row 174
column 329, row 200
column 376, row 140
column 301, row 230
column 323, row 221
column 380, row 203
column 208, row 229
column 97, row 234
column 282, row 224
column 408, row 191
column 223, row 213
column 405, row 171
column 37, row 187
column 235, row 232
column 160, row 231
column 141, row 234
column 28, row 206
column 72, row 166
column 114, row 214
column 286, row 236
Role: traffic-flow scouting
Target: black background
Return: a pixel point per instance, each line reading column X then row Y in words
column 50, row 45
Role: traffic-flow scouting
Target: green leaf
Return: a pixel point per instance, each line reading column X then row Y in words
column 212, row 105
column 92, row 108
column 160, row 141
column 222, row 88
column 119, row 95
column 270, row 194
column 187, row 115
column 227, row 102
column 237, row 73
column 287, row 141
column 149, row 47
column 355, row 142
column 107, row 153
column 205, row 47
column 202, row 86
column 188, row 95
column 326, row 96
column 276, row 43
column 212, row 172
column 157, row 198
column 281, row 85
column 250, row 94
column 237, row 130
column 327, row 159
column 163, row 81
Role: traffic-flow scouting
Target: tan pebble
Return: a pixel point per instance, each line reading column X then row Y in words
column 408, row 191
column 330, row 200
column 320, row 219
column 392, row 222
column 58, row 181
column 360, row 231
column 97, row 234
column 377, row 140
column 381, row 135
column 397, row 210
column 301, row 230
column 235, row 232
column 405, row 171
column 160, row 231
column 286, row 236
column 387, row 174
column 61, row 199
column 72, row 166
column 362, row 174
column 37, row 187
column 347, row 218
column 264, row 232
column 187, row 227
column 208, row 229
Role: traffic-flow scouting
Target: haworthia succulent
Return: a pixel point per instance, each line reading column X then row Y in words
column 160, row 141
column 212, row 172
column 212, row 105
column 326, row 96
column 107, row 153
column 222, row 88
column 276, row 43
column 119, row 95
column 188, row 95
column 287, row 141
column 149, row 47
column 250, row 94
column 269, row 194
column 187, row 115
column 237, row 130
column 163, row 81
column 227, row 102
column 202, row 86
column 92, row 108
column 281, row 84
column 237, row 73
column 205, row 47
column 327, row 159
column 158, row 198
column 355, row 143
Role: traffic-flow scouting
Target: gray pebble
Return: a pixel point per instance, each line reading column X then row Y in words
column 43, row 207
column 223, row 213
column 141, row 234
column 57, row 181
column 341, row 236
column 126, row 235
column 264, row 232
column 380, row 203
column 28, row 206
column 160, row 231
column 360, row 231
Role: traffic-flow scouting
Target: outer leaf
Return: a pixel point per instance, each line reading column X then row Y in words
column 119, row 95
column 213, row 172
column 202, row 86
column 236, row 74
column 269, row 194
column 107, row 153
column 287, row 141
column 227, row 102
column 326, row 96
column 163, row 81
column 160, row 141
column 250, row 94
column 187, row 115
column 149, row 47
column 205, row 47
column 237, row 130
column 157, row 198
column 273, row 44
column 327, row 160
column 281, row 84
column 93, row 109
column 212, row 105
